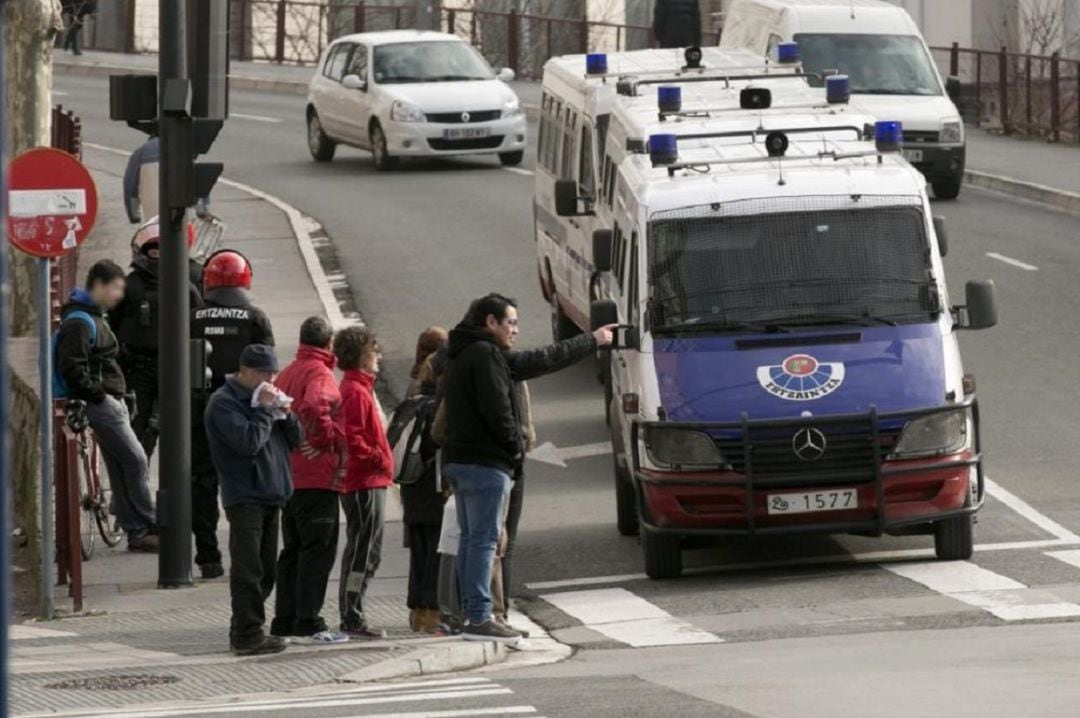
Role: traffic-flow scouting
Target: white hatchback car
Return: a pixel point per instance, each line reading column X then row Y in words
column 412, row 94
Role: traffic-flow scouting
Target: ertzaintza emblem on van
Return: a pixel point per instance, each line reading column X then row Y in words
column 801, row 377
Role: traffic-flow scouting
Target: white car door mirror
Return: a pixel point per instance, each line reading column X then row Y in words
column 353, row 82
column 506, row 74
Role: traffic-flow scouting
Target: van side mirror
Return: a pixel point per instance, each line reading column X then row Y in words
column 602, row 244
column 605, row 312
column 566, row 198
column 353, row 82
column 952, row 89
column 981, row 309
column 942, row 233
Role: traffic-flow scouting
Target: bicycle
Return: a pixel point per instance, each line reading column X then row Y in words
column 94, row 499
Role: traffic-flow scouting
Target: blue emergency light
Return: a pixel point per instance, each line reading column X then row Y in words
column 888, row 135
column 596, row 63
column 837, row 89
column 669, row 98
column 787, row 52
column 663, row 149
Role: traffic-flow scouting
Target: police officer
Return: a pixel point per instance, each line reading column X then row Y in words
column 228, row 322
column 135, row 323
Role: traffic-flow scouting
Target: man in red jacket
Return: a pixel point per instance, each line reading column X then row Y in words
column 309, row 525
column 369, row 470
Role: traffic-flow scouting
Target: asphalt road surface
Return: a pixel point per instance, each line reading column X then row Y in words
column 795, row 627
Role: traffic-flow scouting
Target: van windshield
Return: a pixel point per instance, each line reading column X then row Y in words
column 876, row 64
column 769, row 272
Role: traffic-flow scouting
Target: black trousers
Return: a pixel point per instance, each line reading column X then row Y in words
column 513, row 519
column 253, row 542
column 423, row 566
column 204, row 518
column 309, row 530
column 365, row 512
column 144, row 382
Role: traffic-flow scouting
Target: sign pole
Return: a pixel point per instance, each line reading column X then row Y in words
column 45, row 372
column 5, row 425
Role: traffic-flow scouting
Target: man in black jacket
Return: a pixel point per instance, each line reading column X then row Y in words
column 252, row 432
column 86, row 352
column 485, row 445
column 677, row 23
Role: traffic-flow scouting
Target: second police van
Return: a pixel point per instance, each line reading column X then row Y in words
column 787, row 360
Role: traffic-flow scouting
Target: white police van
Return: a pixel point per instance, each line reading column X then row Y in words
column 788, row 360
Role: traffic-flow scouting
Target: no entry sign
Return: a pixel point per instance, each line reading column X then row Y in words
column 52, row 202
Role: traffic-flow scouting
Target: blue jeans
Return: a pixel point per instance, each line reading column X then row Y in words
column 480, row 492
column 125, row 460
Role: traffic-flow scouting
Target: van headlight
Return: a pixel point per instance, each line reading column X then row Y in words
column 402, row 111
column 952, row 132
column 511, row 108
column 934, row 435
column 681, row 448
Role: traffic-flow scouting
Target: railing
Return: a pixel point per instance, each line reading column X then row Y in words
column 1016, row 93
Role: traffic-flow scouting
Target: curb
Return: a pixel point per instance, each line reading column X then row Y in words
column 460, row 656
column 1031, row 191
column 238, row 82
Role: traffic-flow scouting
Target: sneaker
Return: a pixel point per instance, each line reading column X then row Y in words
column 506, row 623
column 491, row 630
column 211, row 571
column 363, row 633
column 329, row 637
column 265, row 645
column 445, row 629
column 147, row 543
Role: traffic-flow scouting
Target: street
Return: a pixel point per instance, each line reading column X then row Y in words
column 799, row 627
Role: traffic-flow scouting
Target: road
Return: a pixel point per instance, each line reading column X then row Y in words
column 794, row 627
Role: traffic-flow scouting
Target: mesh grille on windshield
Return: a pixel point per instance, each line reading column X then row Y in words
column 790, row 261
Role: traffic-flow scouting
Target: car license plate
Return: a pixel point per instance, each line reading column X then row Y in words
column 810, row 502
column 466, row 133
column 913, row 156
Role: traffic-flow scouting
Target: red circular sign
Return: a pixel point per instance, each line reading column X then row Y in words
column 52, row 202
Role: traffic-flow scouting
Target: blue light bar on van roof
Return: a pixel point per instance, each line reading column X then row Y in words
column 837, row 89
column 787, row 52
column 888, row 136
column 663, row 149
column 596, row 63
column 669, row 98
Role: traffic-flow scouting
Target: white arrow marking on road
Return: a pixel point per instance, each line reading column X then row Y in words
column 548, row 453
column 256, row 118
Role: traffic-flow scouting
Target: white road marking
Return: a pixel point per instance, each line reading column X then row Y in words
column 519, row 171
column 548, row 453
column 619, row 614
column 998, row 595
column 256, row 118
column 1029, row 512
column 59, row 93
column 1071, row 557
column 19, row 632
column 1013, row 262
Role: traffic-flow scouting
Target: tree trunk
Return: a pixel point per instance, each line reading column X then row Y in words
column 31, row 28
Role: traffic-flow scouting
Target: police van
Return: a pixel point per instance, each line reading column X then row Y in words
column 788, row 359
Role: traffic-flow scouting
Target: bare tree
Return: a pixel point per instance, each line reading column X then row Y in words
column 31, row 28
column 1045, row 28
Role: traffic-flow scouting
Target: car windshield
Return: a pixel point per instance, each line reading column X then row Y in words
column 876, row 64
column 771, row 272
column 429, row 62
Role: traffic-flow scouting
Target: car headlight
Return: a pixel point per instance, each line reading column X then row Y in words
column 402, row 111
column 934, row 435
column 671, row 447
column 511, row 108
column 952, row 132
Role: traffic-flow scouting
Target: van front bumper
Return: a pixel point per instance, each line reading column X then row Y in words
column 428, row 139
column 937, row 162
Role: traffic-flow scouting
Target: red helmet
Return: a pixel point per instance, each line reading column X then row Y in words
column 149, row 233
column 227, row 269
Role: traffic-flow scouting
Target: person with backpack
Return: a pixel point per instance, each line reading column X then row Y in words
column 677, row 23
column 86, row 351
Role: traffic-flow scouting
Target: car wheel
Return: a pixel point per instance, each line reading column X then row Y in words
column 512, row 159
column 948, row 189
column 663, row 555
column 383, row 159
column 626, row 513
column 322, row 147
column 954, row 539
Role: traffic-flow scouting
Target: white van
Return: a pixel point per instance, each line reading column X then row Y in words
column 880, row 48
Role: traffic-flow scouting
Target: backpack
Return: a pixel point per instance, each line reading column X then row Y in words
column 59, row 386
column 409, row 425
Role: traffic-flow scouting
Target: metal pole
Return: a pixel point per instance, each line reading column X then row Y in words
column 5, row 424
column 45, row 370
column 174, row 377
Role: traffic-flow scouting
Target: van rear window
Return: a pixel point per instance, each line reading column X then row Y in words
column 876, row 64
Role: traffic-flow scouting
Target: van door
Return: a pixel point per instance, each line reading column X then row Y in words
column 329, row 95
column 625, row 289
column 356, row 105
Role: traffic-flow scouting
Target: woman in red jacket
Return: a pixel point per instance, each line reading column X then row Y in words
column 369, row 470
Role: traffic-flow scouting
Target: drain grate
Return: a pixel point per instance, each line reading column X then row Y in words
column 124, row 682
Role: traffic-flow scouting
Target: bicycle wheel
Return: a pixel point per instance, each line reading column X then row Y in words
column 87, row 513
column 107, row 526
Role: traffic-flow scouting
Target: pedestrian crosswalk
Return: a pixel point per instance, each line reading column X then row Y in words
column 461, row 697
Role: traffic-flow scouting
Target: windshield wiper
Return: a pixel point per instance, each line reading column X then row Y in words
column 402, row 80
column 700, row 327
column 456, row 78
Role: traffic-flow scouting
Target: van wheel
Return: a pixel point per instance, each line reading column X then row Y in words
column 321, row 147
column 380, row 153
column 949, row 189
column 663, row 555
column 954, row 539
column 561, row 326
column 512, row 159
column 625, row 502
column 609, row 390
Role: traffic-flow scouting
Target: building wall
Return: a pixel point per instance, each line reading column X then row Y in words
column 942, row 22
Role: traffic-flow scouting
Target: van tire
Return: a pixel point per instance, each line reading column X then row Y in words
column 561, row 325
column 947, row 189
column 954, row 539
column 663, row 555
column 322, row 148
column 512, row 159
column 380, row 153
column 626, row 512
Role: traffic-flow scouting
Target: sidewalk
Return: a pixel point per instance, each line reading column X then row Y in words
column 137, row 644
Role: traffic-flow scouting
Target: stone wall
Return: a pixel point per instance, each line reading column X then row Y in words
column 25, row 459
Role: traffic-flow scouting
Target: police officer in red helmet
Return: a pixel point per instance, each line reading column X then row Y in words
column 229, row 322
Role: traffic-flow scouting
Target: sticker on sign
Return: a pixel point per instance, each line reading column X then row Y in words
column 46, row 202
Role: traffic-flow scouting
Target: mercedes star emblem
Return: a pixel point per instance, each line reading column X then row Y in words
column 809, row 444
column 465, row 117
